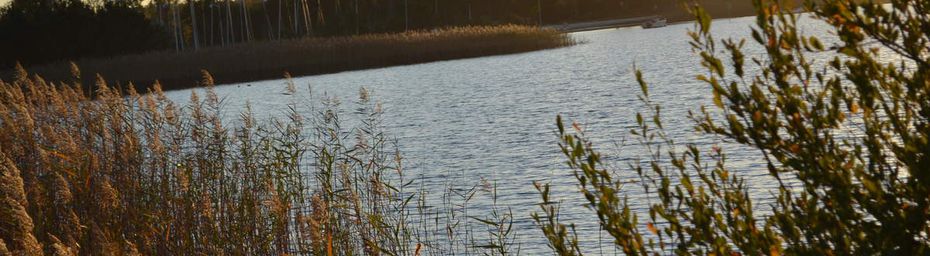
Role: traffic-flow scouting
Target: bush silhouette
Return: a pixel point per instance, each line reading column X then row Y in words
column 36, row 32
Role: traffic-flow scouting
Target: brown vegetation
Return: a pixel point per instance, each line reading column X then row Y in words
column 309, row 56
column 131, row 174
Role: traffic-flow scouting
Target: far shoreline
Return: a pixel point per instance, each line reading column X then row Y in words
column 576, row 27
column 270, row 60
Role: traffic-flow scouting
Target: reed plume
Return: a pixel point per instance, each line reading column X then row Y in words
column 3, row 250
column 67, row 229
column 15, row 224
column 111, row 171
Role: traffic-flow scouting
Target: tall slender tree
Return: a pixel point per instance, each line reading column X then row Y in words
column 296, row 28
column 211, row 29
column 319, row 13
column 539, row 12
column 280, row 17
column 308, row 22
column 246, row 22
column 190, row 5
column 203, row 23
column 230, row 33
column 406, row 16
column 176, row 26
column 268, row 26
column 356, row 18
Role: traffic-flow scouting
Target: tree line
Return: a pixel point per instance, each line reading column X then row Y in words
column 38, row 31
column 47, row 30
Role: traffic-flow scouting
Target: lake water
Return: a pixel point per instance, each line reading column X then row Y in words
column 494, row 117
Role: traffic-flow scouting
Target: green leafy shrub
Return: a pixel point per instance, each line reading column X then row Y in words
column 847, row 141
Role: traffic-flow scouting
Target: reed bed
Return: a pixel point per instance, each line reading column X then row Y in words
column 314, row 55
column 137, row 174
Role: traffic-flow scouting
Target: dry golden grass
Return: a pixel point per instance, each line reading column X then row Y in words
column 309, row 56
column 15, row 224
column 136, row 174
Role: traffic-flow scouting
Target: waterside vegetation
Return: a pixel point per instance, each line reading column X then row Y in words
column 37, row 32
column 131, row 174
column 846, row 140
column 309, row 56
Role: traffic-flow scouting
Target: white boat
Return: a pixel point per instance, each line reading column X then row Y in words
column 655, row 23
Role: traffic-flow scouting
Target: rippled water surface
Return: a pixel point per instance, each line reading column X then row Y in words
column 494, row 117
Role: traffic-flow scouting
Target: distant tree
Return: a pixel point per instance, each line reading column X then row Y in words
column 158, row 23
column 193, row 17
column 40, row 31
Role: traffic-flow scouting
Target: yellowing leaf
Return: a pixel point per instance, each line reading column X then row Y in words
column 795, row 148
column 785, row 44
column 652, row 228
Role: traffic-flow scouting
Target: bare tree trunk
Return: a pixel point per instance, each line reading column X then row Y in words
column 229, row 22
column 280, row 6
column 222, row 24
column 539, row 12
column 406, row 16
column 356, row 18
column 296, row 6
column 308, row 22
column 190, row 4
column 319, row 12
column 175, row 27
column 212, row 24
column 177, row 15
column 158, row 9
column 268, row 21
column 246, row 22
column 203, row 24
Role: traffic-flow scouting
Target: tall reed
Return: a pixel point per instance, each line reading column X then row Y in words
column 130, row 173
